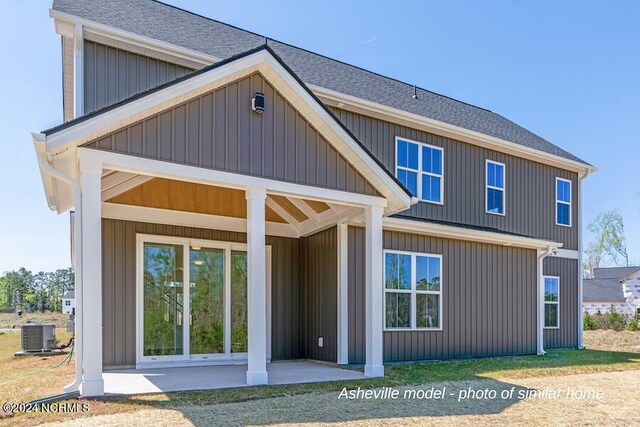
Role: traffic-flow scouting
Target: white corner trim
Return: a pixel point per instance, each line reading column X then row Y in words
column 460, row 233
column 78, row 71
column 190, row 219
column 62, row 21
column 395, row 115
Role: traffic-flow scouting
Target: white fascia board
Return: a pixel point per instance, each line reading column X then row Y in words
column 272, row 70
column 162, row 169
column 459, row 233
column 190, row 219
column 63, row 19
column 374, row 109
column 145, row 106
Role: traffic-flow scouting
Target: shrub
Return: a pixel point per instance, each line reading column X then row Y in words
column 589, row 322
column 615, row 320
column 633, row 324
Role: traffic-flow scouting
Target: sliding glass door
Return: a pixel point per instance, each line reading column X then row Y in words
column 206, row 320
column 163, row 300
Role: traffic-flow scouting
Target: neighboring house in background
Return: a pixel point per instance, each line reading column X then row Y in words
column 316, row 210
column 613, row 286
column 69, row 302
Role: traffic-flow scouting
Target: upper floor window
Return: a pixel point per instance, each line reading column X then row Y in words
column 420, row 168
column 551, row 302
column 495, row 184
column 413, row 290
column 563, row 202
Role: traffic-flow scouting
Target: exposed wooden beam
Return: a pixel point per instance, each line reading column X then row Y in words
column 283, row 213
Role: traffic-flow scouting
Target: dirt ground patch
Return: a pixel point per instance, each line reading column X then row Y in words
column 13, row 321
column 612, row 340
column 327, row 408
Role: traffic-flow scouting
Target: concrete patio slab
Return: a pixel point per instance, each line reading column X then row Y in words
column 139, row 381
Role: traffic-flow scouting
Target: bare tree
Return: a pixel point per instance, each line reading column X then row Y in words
column 609, row 244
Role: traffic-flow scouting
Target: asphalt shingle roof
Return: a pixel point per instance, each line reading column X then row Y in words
column 69, row 294
column 188, row 30
column 602, row 290
column 618, row 273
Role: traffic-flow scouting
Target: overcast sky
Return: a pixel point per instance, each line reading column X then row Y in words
column 567, row 71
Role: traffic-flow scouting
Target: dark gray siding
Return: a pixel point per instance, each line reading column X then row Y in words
column 318, row 287
column 119, row 287
column 489, row 300
column 111, row 74
column 218, row 130
column 530, row 186
column 567, row 334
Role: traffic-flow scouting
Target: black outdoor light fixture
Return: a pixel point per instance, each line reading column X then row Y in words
column 257, row 103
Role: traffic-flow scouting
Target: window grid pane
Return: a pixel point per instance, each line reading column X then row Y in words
column 412, row 291
column 495, row 202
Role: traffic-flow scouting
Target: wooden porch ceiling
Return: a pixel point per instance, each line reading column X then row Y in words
column 160, row 193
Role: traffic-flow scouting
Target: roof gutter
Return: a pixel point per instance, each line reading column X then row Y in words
column 459, row 233
column 48, row 173
column 540, row 288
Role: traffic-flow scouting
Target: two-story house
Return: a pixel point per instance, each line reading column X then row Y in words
column 240, row 200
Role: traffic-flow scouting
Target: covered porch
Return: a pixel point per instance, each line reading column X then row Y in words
column 253, row 212
column 164, row 380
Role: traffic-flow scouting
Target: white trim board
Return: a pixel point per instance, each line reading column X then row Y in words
column 62, row 21
column 460, row 233
column 189, row 219
column 158, row 168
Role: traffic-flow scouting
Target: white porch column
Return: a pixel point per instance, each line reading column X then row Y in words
column 374, row 292
column 256, row 287
column 343, row 295
column 91, row 304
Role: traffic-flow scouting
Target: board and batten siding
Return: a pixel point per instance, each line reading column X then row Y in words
column 119, row 287
column 218, row 130
column 530, row 186
column 319, row 289
column 112, row 74
column 566, row 336
column 488, row 307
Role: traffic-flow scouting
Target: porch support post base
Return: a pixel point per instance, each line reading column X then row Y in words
column 92, row 388
column 374, row 371
column 257, row 378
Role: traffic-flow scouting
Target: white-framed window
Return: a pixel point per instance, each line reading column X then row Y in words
column 420, row 167
column 551, row 302
column 413, row 291
column 495, row 187
column 67, row 302
column 563, row 202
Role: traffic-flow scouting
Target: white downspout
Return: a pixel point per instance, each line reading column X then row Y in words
column 540, row 288
column 39, row 142
column 581, row 177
